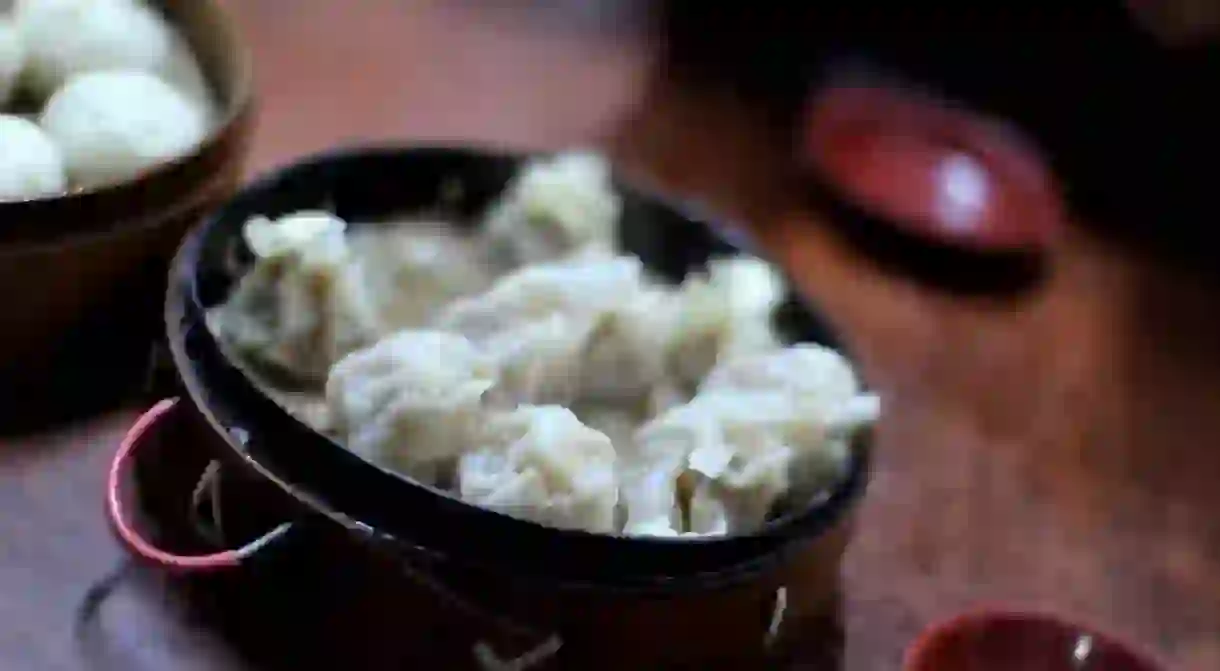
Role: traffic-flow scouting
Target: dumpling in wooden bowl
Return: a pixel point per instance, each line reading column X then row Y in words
column 413, row 401
column 303, row 305
column 541, row 463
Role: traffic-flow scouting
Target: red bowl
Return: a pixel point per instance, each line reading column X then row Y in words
column 1003, row 641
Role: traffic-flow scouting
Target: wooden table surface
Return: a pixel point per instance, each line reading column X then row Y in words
column 1058, row 454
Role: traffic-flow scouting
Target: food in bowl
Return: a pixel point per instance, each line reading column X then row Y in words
column 568, row 386
column 105, row 137
column 111, row 83
column 554, row 207
column 65, row 38
column 31, row 165
column 302, row 307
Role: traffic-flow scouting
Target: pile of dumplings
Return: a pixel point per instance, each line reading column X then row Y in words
column 569, row 387
column 93, row 92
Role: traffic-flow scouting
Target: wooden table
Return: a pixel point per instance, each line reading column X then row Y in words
column 1056, row 454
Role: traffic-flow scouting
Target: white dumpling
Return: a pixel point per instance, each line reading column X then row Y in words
column 417, row 268
column 541, row 463
column 540, row 361
column 585, row 285
column 69, row 37
column 112, row 125
column 624, row 358
column 739, row 451
column 412, row 401
column 30, row 163
column 587, row 327
column 555, row 206
column 311, row 232
column 818, row 373
column 12, row 60
column 724, row 313
column 303, row 304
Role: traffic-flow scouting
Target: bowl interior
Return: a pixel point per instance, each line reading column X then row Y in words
column 1021, row 642
column 365, row 186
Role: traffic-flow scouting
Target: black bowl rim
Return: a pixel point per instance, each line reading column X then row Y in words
column 770, row 540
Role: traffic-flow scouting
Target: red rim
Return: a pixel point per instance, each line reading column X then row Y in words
column 131, row 539
column 916, row 655
column 897, row 159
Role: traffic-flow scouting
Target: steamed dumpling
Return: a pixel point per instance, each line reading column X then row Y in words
column 415, row 270
column 537, row 322
column 65, row 38
column 724, row 313
column 303, row 305
column 586, row 285
column 554, row 207
column 818, row 373
column 540, row 361
column 30, row 163
column 541, row 463
column 735, row 446
column 760, row 427
column 12, row 59
column 112, row 125
column 412, row 401
column 625, row 357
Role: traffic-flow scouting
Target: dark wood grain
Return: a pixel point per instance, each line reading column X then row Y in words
column 1057, row 454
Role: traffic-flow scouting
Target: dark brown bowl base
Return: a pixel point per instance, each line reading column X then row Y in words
column 323, row 598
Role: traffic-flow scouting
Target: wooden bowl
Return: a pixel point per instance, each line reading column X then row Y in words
column 83, row 273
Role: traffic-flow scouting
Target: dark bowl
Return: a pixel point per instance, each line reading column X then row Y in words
column 83, row 273
column 371, row 184
column 307, row 477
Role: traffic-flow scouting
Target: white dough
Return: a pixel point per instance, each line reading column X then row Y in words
column 12, row 59
column 724, row 313
column 30, row 164
column 417, row 268
column 112, row 125
column 625, row 356
column 582, row 327
column 540, row 361
column 555, row 206
column 412, row 401
column 818, row 373
column 586, row 286
column 303, row 232
column 541, row 463
column 304, row 304
column 69, row 37
column 727, row 457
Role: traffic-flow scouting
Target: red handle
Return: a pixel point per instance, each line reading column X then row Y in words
column 132, row 539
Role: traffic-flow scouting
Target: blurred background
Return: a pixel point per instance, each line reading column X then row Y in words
column 1051, row 451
